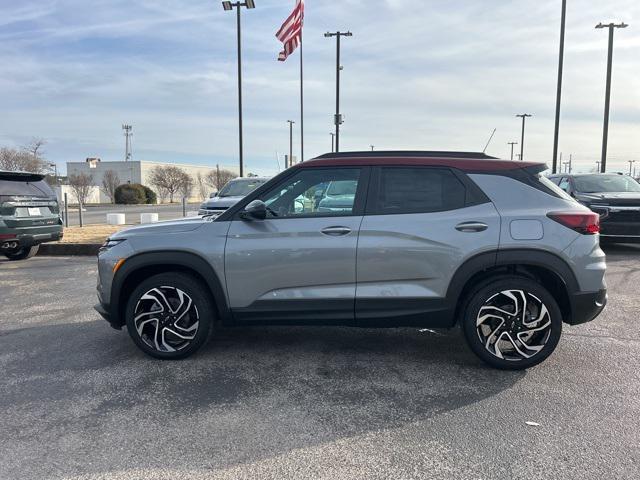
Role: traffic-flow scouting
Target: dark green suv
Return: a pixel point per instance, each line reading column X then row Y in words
column 29, row 214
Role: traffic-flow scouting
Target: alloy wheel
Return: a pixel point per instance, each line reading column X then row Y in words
column 513, row 325
column 166, row 319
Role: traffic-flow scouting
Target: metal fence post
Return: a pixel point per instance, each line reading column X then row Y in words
column 66, row 211
column 80, row 212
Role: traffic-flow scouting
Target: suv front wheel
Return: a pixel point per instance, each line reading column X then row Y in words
column 512, row 323
column 170, row 315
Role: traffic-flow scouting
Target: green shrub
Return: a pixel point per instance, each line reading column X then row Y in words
column 130, row 194
column 150, row 195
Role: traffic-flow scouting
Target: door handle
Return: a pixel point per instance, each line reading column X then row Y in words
column 336, row 231
column 470, row 227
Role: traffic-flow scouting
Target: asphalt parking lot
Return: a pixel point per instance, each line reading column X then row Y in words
column 79, row 401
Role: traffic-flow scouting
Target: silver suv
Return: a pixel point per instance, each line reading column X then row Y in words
column 425, row 239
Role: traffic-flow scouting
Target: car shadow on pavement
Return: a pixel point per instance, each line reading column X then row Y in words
column 252, row 393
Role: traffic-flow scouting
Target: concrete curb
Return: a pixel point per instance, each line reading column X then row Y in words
column 69, row 249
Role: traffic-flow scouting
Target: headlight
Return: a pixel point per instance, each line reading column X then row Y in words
column 109, row 244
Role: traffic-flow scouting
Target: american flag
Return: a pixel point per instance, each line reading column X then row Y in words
column 290, row 33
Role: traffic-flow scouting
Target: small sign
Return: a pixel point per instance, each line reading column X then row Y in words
column 34, row 211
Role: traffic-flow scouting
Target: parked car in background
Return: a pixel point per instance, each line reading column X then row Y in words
column 230, row 194
column 428, row 239
column 29, row 214
column 615, row 197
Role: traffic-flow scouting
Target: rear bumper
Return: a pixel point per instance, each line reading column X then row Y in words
column 586, row 306
column 619, row 238
column 29, row 240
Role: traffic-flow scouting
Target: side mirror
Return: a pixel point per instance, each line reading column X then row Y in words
column 213, row 194
column 256, row 210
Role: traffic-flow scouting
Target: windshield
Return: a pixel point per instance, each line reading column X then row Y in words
column 606, row 183
column 240, row 188
column 343, row 187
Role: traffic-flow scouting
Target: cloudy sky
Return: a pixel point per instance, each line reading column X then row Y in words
column 428, row 74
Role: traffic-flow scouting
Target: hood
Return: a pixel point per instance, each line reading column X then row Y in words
column 610, row 198
column 160, row 228
column 221, row 202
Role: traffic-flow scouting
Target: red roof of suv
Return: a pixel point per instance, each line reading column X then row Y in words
column 466, row 161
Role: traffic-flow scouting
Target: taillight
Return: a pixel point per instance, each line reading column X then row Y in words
column 587, row 223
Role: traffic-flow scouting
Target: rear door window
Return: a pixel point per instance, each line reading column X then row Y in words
column 418, row 190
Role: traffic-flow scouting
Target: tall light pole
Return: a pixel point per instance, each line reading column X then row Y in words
column 290, row 122
column 631, row 162
column 333, row 138
column 338, row 116
column 524, row 116
column 607, row 98
column 372, row 147
column 512, row 144
column 227, row 7
column 554, row 167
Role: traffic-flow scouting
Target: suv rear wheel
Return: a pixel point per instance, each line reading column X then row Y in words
column 170, row 315
column 512, row 323
column 23, row 253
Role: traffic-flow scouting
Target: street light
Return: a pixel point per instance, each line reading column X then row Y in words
column 631, row 162
column 227, row 6
column 524, row 116
column 372, row 147
column 563, row 17
column 290, row 122
column 607, row 100
column 338, row 117
column 512, row 144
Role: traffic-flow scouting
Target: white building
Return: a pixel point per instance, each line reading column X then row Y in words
column 139, row 171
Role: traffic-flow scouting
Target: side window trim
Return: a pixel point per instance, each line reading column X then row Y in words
column 358, row 204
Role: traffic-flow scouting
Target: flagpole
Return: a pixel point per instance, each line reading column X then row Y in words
column 301, row 100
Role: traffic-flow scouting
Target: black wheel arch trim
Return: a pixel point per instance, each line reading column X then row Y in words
column 512, row 256
column 187, row 260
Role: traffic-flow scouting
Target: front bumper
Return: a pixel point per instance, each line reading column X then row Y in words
column 586, row 306
column 106, row 314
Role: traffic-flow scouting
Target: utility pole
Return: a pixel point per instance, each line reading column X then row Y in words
column 631, row 168
column 563, row 16
column 607, row 99
column 512, row 144
column 250, row 4
column 290, row 122
column 333, row 138
column 127, row 141
column 524, row 116
column 338, row 116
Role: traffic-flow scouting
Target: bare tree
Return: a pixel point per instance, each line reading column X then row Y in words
column 201, row 184
column 187, row 186
column 81, row 186
column 34, row 147
column 110, row 181
column 168, row 180
column 219, row 177
column 21, row 160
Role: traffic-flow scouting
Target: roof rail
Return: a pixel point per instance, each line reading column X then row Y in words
column 408, row 153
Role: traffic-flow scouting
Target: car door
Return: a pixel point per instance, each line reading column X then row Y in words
column 420, row 225
column 299, row 264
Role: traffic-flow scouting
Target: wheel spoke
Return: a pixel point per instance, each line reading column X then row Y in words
column 511, row 335
column 166, row 319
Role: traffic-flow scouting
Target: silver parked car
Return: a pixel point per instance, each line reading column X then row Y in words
column 422, row 239
column 234, row 191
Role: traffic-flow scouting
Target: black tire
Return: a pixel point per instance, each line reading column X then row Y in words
column 23, row 253
column 525, row 344
column 163, row 328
